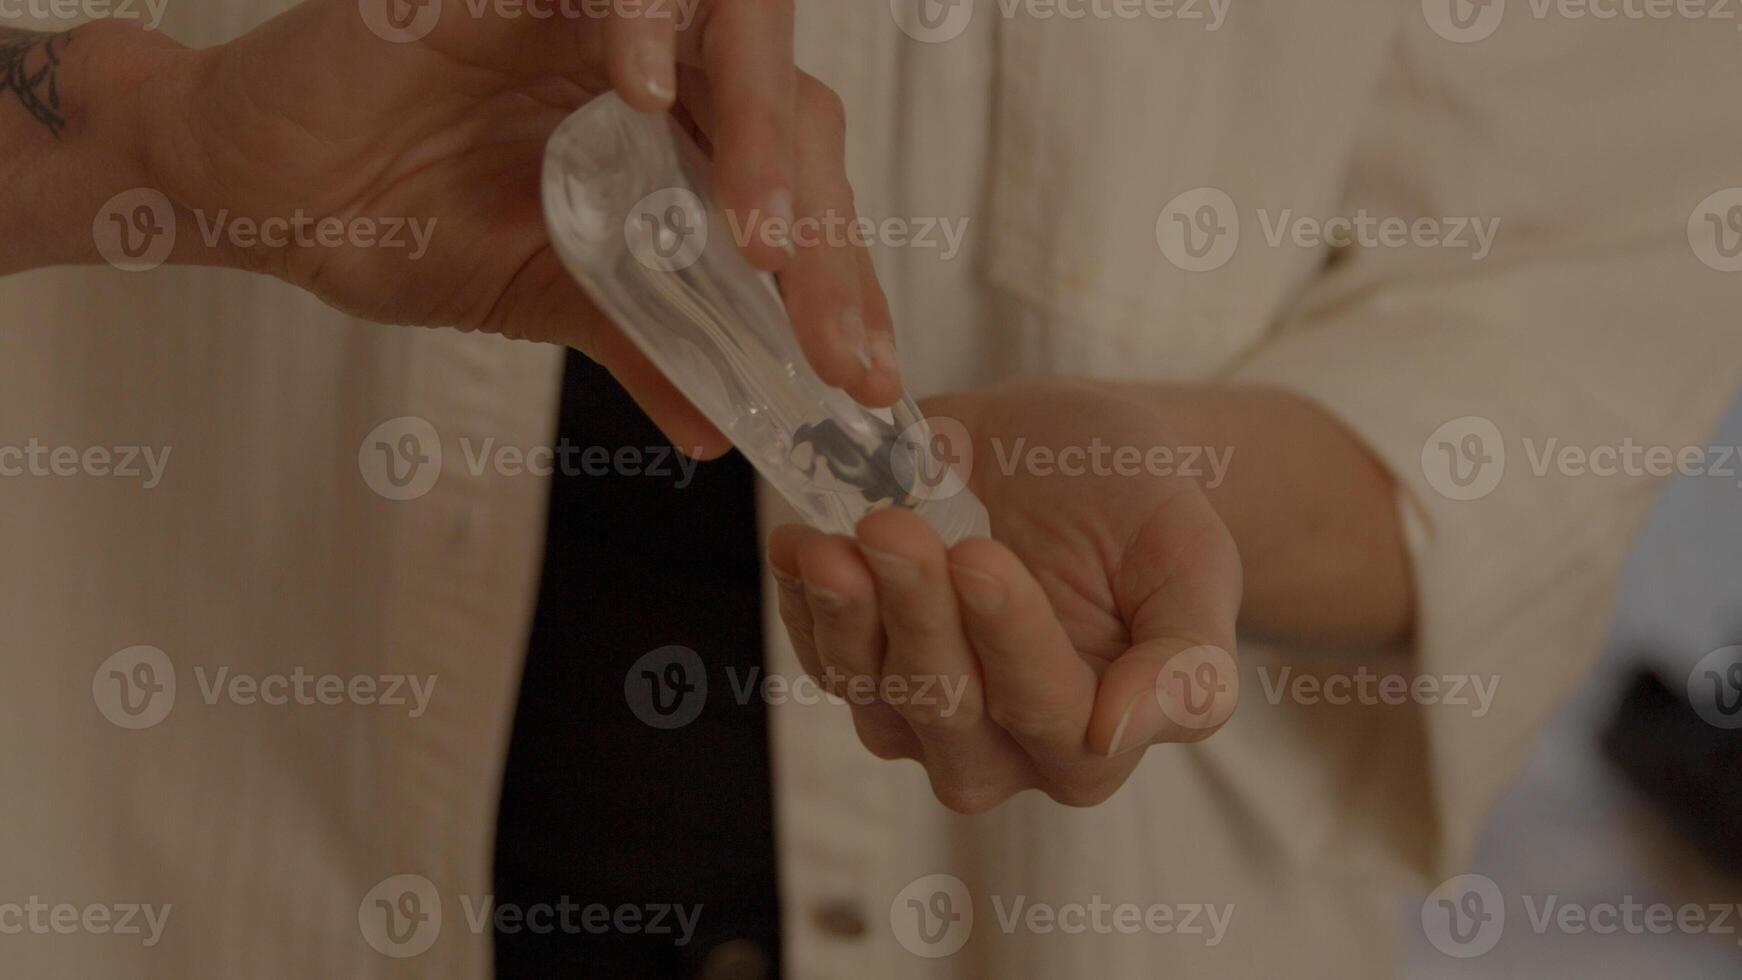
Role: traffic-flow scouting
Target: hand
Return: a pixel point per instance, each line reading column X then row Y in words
column 1099, row 622
column 315, row 114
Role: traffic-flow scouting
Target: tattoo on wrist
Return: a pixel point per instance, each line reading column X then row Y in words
column 30, row 70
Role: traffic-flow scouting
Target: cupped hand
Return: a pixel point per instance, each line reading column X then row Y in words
column 1100, row 621
column 322, row 112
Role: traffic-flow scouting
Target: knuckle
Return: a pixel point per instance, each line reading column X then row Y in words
column 831, row 677
column 836, row 607
column 827, row 677
column 934, row 716
column 884, row 744
column 1031, row 720
column 797, row 623
column 1084, row 792
column 917, row 625
column 884, row 735
column 822, row 106
column 970, row 799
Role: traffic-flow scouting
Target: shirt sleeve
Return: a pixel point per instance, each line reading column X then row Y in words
column 1529, row 397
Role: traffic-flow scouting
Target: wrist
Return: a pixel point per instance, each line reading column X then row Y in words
column 82, row 138
column 181, row 162
column 1312, row 510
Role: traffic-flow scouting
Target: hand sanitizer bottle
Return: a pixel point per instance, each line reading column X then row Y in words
column 627, row 202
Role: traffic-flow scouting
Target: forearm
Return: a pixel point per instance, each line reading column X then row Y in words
column 77, row 111
column 1312, row 511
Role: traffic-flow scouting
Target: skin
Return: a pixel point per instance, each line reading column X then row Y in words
column 314, row 113
column 1075, row 630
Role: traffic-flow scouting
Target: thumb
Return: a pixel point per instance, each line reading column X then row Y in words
column 1168, row 690
column 1179, row 682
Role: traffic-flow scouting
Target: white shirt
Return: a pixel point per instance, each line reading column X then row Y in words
column 263, row 550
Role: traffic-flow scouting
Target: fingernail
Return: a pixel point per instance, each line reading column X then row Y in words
column 983, row 593
column 1125, row 737
column 780, row 214
column 852, row 327
column 656, row 66
column 825, row 600
column 883, row 355
column 786, row 581
column 892, row 570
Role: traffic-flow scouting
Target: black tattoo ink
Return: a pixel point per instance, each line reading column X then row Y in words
column 30, row 69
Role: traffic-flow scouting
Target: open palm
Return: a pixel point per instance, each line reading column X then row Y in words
column 1099, row 621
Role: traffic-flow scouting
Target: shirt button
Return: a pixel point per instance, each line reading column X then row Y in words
column 735, row 959
column 841, row 919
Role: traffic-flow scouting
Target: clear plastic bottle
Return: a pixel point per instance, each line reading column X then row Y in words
column 627, row 202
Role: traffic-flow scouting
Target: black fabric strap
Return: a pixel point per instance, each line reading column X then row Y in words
column 598, row 806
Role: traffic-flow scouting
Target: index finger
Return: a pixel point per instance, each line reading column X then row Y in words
column 640, row 57
column 746, row 50
column 1038, row 688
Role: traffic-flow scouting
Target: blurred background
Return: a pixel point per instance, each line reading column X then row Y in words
column 1572, row 825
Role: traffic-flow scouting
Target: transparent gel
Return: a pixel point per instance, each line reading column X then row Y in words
column 627, row 201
